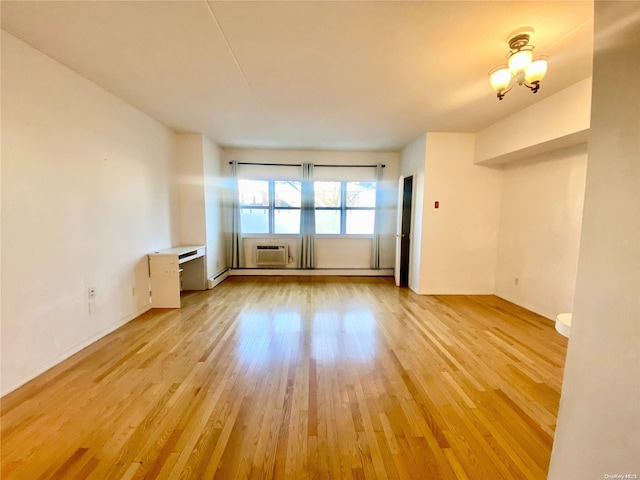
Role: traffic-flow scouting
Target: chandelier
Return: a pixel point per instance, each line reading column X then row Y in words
column 521, row 68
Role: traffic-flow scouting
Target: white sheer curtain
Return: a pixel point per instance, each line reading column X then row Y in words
column 375, row 241
column 236, row 254
column 307, row 220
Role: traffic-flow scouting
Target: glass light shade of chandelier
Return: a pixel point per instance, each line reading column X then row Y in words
column 537, row 70
column 500, row 78
column 519, row 60
column 521, row 69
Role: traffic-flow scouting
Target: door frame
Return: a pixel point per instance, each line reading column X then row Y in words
column 403, row 240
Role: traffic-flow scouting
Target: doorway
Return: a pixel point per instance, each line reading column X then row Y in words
column 403, row 233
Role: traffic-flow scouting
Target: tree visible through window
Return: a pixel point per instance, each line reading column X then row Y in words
column 286, row 211
column 273, row 206
column 269, row 206
column 345, row 207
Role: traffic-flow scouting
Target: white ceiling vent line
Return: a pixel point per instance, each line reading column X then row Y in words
column 240, row 69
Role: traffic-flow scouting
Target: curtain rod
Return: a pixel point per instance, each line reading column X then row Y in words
column 299, row 165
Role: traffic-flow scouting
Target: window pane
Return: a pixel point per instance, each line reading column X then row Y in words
column 254, row 192
column 361, row 194
column 360, row 221
column 328, row 221
column 287, row 194
column 286, row 221
column 254, row 220
column 327, row 194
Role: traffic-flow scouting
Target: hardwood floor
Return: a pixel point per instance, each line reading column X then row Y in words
column 307, row 377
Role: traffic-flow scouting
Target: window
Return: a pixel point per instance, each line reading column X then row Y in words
column 254, row 206
column 286, row 211
column 328, row 203
column 360, row 207
column 269, row 206
column 273, row 207
column 345, row 207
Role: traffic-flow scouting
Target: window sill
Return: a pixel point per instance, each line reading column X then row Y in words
column 295, row 235
column 270, row 235
column 352, row 236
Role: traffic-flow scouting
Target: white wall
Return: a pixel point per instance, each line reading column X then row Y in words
column 352, row 253
column 412, row 164
column 201, row 186
column 539, row 234
column 334, row 252
column 459, row 238
column 542, row 153
column 558, row 121
column 345, row 253
column 213, row 195
column 191, row 185
column 598, row 432
column 87, row 192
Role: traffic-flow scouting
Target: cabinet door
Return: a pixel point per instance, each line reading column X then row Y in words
column 165, row 281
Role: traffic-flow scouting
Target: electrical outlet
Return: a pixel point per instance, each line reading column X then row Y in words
column 516, row 281
column 133, row 291
column 91, row 293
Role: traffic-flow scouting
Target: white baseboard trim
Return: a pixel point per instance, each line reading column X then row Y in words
column 317, row 272
column 73, row 350
column 217, row 279
column 454, row 292
column 531, row 308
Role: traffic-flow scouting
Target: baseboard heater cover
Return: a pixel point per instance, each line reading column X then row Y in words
column 218, row 278
column 215, row 277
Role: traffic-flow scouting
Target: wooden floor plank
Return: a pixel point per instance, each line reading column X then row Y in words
column 294, row 378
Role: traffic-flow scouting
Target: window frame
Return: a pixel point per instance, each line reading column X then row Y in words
column 271, row 207
column 343, row 209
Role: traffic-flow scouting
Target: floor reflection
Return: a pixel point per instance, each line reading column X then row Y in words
column 361, row 332
column 266, row 336
column 255, row 339
column 326, row 335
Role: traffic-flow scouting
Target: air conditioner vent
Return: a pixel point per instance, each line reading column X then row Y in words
column 272, row 255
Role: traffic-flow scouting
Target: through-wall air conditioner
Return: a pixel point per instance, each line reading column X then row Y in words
column 272, row 255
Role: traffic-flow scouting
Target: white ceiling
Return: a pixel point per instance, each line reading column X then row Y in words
column 370, row 75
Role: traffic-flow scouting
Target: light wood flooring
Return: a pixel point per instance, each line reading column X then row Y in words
column 295, row 378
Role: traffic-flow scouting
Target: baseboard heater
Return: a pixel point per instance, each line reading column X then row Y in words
column 272, row 255
column 217, row 279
